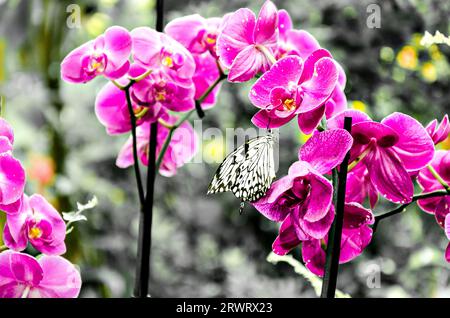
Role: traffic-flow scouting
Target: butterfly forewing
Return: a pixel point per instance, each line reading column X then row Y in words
column 248, row 174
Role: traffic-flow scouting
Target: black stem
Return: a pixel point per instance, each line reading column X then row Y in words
column 141, row 289
column 401, row 208
column 137, row 171
column 335, row 235
column 198, row 108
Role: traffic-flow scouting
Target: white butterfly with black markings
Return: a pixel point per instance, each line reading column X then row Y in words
column 248, row 171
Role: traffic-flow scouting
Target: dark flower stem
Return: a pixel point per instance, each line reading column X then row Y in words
column 141, row 288
column 137, row 171
column 402, row 208
column 334, row 237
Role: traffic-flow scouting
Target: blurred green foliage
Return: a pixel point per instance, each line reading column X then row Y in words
column 202, row 246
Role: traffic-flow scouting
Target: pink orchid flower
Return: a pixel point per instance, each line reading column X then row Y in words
column 201, row 41
column 303, row 197
column 150, row 98
column 38, row 223
column 12, row 174
column 356, row 235
column 292, row 88
column 390, row 150
column 12, row 185
column 158, row 91
column 202, row 35
column 246, row 45
column 107, row 55
column 301, row 43
column 23, row 276
column 439, row 206
column 181, row 150
column 158, row 51
column 439, row 132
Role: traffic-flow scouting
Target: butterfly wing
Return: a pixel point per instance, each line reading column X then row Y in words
column 248, row 174
column 227, row 172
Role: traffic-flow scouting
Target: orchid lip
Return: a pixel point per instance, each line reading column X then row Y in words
column 95, row 63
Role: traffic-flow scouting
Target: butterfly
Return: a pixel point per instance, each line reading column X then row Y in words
column 248, row 171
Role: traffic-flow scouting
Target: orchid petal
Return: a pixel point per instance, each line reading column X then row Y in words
column 415, row 147
column 287, row 238
column 284, row 22
column 269, row 205
column 319, row 88
column 60, row 278
column 389, row 176
column 309, row 121
column 326, row 150
column 246, row 64
column 262, row 120
column 266, row 29
column 236, row 35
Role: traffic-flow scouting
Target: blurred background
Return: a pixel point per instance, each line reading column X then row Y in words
column 202, row 247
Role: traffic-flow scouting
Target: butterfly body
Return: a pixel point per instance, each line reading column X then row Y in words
column 248, row 171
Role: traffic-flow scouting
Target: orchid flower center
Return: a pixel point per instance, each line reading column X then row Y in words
column 38, row 229
column 160, row 92
column 210, row 40
column 95, row 63
column 171, row 59
column 283, row 99
column 289, row 104
column 34, row 233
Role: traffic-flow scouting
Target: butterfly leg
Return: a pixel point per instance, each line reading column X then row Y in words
column 241, row 207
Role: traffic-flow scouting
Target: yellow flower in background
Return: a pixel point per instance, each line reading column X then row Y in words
column 96, row 24
column 429, row 72
column 407, row 57
column 108, row 3
column 387, row 54
column 359, row 105
column 213, row 151
column 435, row 53
column 416, row 39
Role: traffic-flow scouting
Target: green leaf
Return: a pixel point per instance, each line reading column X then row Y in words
column 73, row 217
column 77, row 216
column 300, row 269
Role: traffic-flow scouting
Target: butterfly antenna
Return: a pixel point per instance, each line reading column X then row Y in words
column 241, row 207
column 268, row 125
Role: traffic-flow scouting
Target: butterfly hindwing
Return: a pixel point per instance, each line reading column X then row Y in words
column 248, row 171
